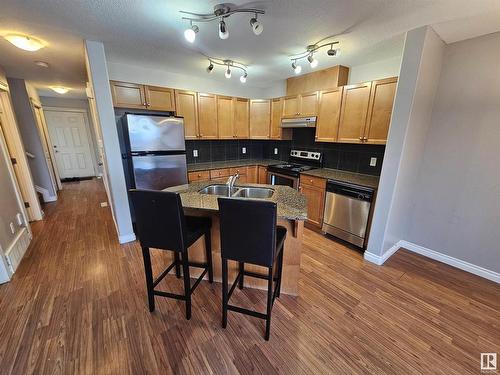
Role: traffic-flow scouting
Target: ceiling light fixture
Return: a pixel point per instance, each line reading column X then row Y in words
column 221, row 13
column 311, row 50
column 228, row 65
column 190, row 34
column 60, row 89
column 25, row 42
column 42, row 64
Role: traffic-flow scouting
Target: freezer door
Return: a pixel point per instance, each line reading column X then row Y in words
column 155, row 133
column 157, row 172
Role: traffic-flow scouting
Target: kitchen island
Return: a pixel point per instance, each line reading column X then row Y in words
column 292, row 211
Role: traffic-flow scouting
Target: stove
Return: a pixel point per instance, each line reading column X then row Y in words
column 288, row 173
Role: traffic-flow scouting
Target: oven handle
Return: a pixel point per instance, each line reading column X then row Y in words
column 271, row 179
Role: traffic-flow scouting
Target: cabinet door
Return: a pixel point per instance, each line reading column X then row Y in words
column 327, row 124
column 291, row 106
column 353, row 113
column 260, row 118
column 315, row 198
column 309, row 104
column 160, row 98
column 207, row 116
column 199, row 176
column 380, row 110
column 128, row 95
column 225, row 117
column 276, row 111
column 241, row 118
column 252, row 174
column 262, row 178
column 187, row 107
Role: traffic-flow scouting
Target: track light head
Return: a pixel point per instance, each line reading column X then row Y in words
column 312, row 61
column 210, row 68
column 257, row 27
column 228, row 72
column 243, row 78
column 223, row 31
column 190, row 34
column 296, row 68
column 333, row 52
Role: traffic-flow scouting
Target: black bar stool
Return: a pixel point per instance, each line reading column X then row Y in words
column 249, row 234
column 161, row 224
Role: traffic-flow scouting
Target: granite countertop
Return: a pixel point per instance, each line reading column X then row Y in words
column 291, row 204
column 335, row 174
column 230, row 164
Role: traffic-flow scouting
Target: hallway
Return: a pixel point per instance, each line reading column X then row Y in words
column 77, row 305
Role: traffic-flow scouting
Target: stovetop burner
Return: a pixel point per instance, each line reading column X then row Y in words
column 313, row 160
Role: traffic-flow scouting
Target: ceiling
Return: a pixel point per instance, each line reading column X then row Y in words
column 149, row 33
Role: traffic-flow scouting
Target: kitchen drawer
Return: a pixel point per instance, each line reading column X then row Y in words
column 240, row 170
column 313, row 181
column 199, row 176
column 218, row 173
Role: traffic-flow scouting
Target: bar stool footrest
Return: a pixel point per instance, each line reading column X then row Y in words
column 241, row 310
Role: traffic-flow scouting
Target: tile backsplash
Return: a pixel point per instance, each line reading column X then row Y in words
column 343, row 156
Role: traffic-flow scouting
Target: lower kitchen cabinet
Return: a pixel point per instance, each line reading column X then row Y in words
column 314, row 189
column 262, row 175
column 199, row 176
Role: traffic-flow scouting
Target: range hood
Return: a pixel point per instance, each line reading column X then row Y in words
column 300, row 122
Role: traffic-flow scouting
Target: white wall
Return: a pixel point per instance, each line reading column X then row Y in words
column 457, row 192
column 375, row 70
column 412, row 109
column 216, row 85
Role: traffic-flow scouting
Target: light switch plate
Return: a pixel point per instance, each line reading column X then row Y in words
column 243, row 150
column 195, row 153
column 12, row 228
column 20, row 220
column 373, row 162
column 275, row 151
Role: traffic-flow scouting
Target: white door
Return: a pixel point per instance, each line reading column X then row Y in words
column 69, row 135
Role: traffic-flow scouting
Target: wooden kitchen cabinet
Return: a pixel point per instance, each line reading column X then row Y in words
column 314, row 189
column 327, row 124
column 291, row 106
column 207, row 116
column 225, row 117
column 301, row 105
column 380, row 110
column 276, row 131
column 354, row 112
column 260, row 118
column 160, row 98
column 241, row 118
column 186, row 106
column 128, row 95
column 199, row 176
column 262, row 175
column 252, row 174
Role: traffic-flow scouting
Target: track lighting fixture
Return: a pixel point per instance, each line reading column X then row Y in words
column 221, row 13
column 228, row 65
column 310, row 51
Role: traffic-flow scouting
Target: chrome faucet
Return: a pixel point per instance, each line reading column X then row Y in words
column 230, row 182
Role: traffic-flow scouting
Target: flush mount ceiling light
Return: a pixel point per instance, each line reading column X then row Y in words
column 311, row 50
column 60, row 89
column 42, row 64
column 24, row 42
column 221, row 13
column 228, row 65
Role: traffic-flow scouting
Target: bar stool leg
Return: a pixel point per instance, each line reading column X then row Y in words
column 187, row 283
column 224, row 293
column 177, row 265
column 269, row 302
column 149, row 277
column 280, row 272
column 208, row 249
column 241, row 269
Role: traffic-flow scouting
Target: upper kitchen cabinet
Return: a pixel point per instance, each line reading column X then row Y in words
column 354, row 111
column 380, row 110
column 128, row 95
column 241, row 117
column 327, row 124
column 301, row 105
column 260, row 118
column 225, row 117
column 276, row 112
column 160, row 98
column 186, row 106
column 207, row 116
column 319, row 80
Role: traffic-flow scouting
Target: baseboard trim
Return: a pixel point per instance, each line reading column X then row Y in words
column 380, row 259
column 16, row 251
column 126, row 238
column 45, row 193
column 451, row 261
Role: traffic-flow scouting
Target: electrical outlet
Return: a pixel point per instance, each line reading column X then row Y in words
column 195, row 153
column 373, row 162
column 104, row 204
column 243, row 150
column 12, row 228
column 275, row 151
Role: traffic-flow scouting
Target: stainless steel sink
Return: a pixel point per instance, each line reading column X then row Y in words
column 254, row 192
column 222, row 190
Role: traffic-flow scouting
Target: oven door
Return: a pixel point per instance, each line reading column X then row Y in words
column 274, row 178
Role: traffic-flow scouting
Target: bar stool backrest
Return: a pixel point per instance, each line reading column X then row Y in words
column 159, row 219
column 248, row 230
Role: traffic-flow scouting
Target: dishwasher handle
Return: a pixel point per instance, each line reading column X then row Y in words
column 353, row 191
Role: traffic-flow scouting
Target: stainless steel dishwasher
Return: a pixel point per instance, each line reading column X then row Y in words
column 347, row 208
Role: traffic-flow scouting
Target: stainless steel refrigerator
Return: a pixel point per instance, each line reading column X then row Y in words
column 154, row 151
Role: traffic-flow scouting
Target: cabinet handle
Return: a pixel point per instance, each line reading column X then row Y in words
column 365, row 138
column 361, row 139
column 145, row 104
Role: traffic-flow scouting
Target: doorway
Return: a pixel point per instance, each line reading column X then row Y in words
column 72, row 142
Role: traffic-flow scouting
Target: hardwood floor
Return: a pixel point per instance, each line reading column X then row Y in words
column 77, row 304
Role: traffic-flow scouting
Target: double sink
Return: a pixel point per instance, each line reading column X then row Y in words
column 238, row 192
